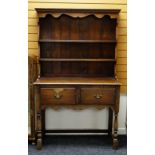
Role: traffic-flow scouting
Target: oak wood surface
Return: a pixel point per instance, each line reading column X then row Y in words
column 97, row 95
column 75, row 41
column 77, row 62
column 76, row 81
column 32, row 76
column 62, row 37
column 58, row 95
column 60, row 59
column 77, row 50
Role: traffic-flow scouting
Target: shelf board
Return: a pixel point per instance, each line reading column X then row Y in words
column 75, row 41
column 77, row 60
column 77, row 81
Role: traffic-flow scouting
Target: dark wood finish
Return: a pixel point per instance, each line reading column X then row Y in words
column 43, row 121
column 77, row 50
column 77, row 131
column 60, row 29
column 97, row 95
column 76, row 41
column 58, row 96
column 39, row 118
column 96, row 60
column 77, row 64
column 57, row 42
column 92, row 11
column 32, row 76
column 77, row 81
column 115, row 124
column 76, row 69
column 110, row 122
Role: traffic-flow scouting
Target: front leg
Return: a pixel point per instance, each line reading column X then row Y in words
column 115, row 135
column 39, row 132
column 39, row 118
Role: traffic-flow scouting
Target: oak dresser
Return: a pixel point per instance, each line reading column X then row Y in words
column 77, row 64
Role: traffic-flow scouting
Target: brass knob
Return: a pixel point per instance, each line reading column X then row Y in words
column 98, row 96
column 58, row 96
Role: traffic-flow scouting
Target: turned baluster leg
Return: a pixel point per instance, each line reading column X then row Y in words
column 39, row 120
column 39, row 131
column 115, row 122
column 115, row 135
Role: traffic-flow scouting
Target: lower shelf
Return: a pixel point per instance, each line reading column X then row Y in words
column 77, row 131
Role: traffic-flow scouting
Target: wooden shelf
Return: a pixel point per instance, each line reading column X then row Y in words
column 75, row 41
column 77, row 47
column 77, row 60
column 77, row 80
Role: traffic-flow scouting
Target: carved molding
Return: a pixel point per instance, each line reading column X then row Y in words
column 80, row 107
column 77, row 15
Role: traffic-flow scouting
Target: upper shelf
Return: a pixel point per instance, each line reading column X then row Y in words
column 77, row 60
column 75, row 41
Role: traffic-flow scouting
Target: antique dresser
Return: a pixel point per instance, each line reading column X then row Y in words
column 77, row 63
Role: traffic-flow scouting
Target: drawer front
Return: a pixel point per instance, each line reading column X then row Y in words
column 97, row 95
column 58, row 95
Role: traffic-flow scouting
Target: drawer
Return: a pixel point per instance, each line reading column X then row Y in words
column 58, row 95
column 97, row 95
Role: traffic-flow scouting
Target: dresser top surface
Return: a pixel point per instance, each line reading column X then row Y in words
column 76, row 81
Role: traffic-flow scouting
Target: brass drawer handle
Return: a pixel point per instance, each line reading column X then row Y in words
column 98, row 96
column 58, row 96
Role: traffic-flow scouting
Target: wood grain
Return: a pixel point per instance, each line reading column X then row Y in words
column 97, row 95
column 76, row 81
column 57, row 96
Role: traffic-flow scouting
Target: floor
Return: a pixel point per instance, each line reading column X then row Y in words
column 79, row 145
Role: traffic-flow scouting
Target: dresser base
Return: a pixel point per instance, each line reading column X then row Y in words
column 77, row 94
